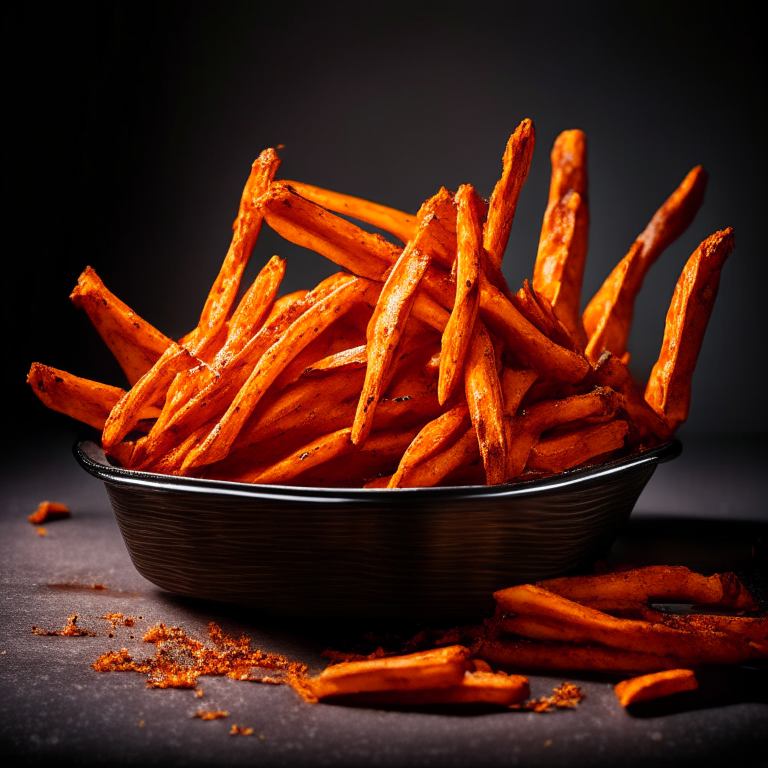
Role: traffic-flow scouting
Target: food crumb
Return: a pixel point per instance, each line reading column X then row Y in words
column 48, row 510
column 41, row 531
column 199, row 693
column 97, row 586
column 70, row 630
column 565, row 696
column 118, row 620
column 548, row 743
column 211, row 714
column 141, row 723
column 239, row 730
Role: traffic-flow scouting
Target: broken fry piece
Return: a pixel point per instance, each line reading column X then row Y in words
column 655, row 686
column 47, row 511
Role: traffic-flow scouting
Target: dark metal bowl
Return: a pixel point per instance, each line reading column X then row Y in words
column 426, row 553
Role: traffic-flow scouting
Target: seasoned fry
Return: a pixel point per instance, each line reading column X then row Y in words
column 521, row 654
column 402, row 225
column 569, row 166
column 663, row 583
column 387, row 324
column 431, row 472
column 442, row 244
column 136, row 345
column 346, row 360
column 589, row 626
column 246, row 231
column 486, row 405
column 469, row 258
column 501, row 210
column 307, row 457
column 271, row 363
column 252, row 310
column 439, row 668
column 434, row 438
column 152, row 385
column 669, row 386
column 655, row 686
column 556, row 454
column 608, row 316
column 82, row 399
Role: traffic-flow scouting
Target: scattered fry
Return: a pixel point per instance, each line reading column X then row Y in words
column 655, row 686
column 47, row 511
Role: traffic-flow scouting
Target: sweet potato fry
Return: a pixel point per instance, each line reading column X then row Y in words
column 252, row 310
column 442, row 241
column 655, row 686
column 402, row 225
column 81, row 399
column 439, row 668
column 590, row 626
column 307, row 457
column 387, row 325
column 469, row 259
column 283, row 303
column 663, row 583
column 272, row 362
column 152, row 386
column 528, row 343
column 556, row 454
column 669, row 387
column 520, row 654
column 136, row 345
column 304, row 223
column 569, row 166
column 514, row 384
column 475, row 688
column 608, row 316
column 432, row 471
column 501, row 210
column 247, row 226
column 560, row 261
column 436, row 436
column 346, row 360
column 486, row 405
column 47, row 511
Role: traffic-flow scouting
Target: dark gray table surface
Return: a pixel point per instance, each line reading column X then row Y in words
column 707, row 510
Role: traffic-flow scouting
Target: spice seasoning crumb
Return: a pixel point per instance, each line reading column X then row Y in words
column 211, row 714
column 238, row 730
column 566, row 696
column 41, row 531
column 70, row 630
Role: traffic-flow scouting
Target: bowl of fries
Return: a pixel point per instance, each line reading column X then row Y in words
column 410, row 434
column 356, row 552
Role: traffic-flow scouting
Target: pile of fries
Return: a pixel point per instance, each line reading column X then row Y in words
column 416, row 365
column 606, row 623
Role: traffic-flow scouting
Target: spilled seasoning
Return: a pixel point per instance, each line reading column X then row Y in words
column 180, row 660
column 565, row 696
column 239, row 730
column 211, row 714
column 70, row 630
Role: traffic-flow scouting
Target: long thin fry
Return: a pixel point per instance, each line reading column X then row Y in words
column 501, row 210
column 655, row 686
column 387, row 324
column 608, row 316
column 669, row 386
column 87, row 401
column 435, row 437
column 252, row 310
column 402, row 225
column 247, row 226
column 272, row 362
column 486, row 405
column 664, row 583
column 136, row 344
column 458, row 332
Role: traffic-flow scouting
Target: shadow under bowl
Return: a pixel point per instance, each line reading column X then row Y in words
column 412, row 553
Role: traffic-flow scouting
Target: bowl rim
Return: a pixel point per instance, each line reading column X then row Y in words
column 92, row 459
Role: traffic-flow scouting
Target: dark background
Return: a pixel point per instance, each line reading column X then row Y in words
column 131, row 130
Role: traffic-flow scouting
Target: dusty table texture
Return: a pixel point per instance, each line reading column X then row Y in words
column 706, row 510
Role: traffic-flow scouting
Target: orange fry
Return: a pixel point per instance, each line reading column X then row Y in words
column 252, row 310
column 442, row 241
column 569, row 166
column 346, row 360
column 152, row 386
column 305, row 458
column 402, row 225
column 486, row 405
column 387, row 325
column 608, row 316
column 665, row 583
column 136, row 345
column 501, row 210
column 669, row 387
column 272, row 362
column 469, row 259
column 304, row 223
column 82, row 399
column 439, row 668
column 433, row 438
column 556, row 454
column 655, row 686
column 432, row 471
column 246, row 231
